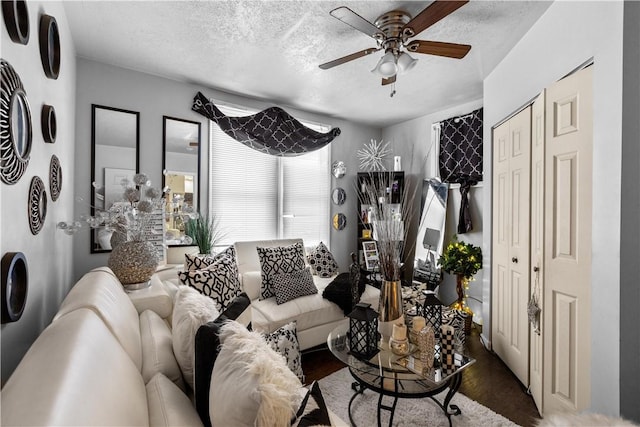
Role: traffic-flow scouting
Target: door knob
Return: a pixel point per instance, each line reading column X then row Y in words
column 514, row 260
column 536, row 269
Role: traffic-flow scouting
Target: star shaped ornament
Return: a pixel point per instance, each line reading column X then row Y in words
column 373, row 155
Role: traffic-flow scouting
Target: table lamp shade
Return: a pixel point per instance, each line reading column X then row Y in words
column 363, row 331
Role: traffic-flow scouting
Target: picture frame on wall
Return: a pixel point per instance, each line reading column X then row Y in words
column 370, row 251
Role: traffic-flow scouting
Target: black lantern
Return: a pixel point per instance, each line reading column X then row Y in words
column 432, row 311
column 363, row 331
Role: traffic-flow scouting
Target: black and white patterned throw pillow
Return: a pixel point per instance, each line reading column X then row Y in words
column 289, row 286
column 322, row 262
column 313, row 409
column 197, row 261
column 285, row 342
column 280, row 259
column 219, row 280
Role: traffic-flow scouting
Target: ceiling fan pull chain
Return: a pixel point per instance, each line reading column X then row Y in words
column 393, row 90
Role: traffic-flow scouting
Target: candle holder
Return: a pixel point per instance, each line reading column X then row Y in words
column 399, row 346
column 363, row 331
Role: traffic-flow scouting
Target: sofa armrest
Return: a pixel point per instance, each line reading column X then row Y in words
column 153, row 297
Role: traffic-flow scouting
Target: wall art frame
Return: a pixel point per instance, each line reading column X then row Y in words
column 15, row 284
column 15, row 126
column 49, row 37
column 37, row 205
column 55, row 177
column 16, row 19
column 49, row 123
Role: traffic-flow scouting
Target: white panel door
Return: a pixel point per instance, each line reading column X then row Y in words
column 567, row 252
column 536, row 285
column 511, row 204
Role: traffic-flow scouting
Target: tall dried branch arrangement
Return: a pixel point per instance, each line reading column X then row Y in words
column 390, row 220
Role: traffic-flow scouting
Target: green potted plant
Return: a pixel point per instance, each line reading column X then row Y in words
column 464, row 260
column 205, row 232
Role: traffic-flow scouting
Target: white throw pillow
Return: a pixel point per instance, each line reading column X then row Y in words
column 191, row 310
column 250, row 384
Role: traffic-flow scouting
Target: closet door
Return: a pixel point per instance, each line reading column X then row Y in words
column 537, row 247
column 510, row 268
column 567, row 255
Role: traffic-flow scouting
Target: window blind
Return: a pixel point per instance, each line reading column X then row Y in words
column 256, row 196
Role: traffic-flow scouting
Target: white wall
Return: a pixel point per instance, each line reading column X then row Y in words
column 48, row 254
column 412, row 141
column 567, row 35
column 154, row 97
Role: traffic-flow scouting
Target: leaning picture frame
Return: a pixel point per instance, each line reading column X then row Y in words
column 370, row 251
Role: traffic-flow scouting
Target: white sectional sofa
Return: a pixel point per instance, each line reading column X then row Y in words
column 100, row 362
column 106, row 359
column 315, row 316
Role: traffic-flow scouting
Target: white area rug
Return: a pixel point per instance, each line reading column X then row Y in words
column 336, row 389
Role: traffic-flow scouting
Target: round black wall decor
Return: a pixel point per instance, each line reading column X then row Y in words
column 55, row 178
column 339, row 221
column 49, row 46
column 37, row 209
column 15, row 281
column 15, row 126
column 16, row 18
column 49, row 124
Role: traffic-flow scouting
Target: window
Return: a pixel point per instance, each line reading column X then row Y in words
column 256, row 196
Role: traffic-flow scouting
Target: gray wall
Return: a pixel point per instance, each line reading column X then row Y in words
column 48, row 253
column 567, row 35
column 154, row 97
column 630, row 218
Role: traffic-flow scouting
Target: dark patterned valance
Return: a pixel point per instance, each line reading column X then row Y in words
column 461, row 158
column 272, row 131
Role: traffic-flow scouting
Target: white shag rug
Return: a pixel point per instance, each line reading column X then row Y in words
column 336, row 390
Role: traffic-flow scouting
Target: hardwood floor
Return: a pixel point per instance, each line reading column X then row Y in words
column 488, row 381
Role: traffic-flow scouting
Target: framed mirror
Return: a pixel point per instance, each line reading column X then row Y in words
column 115, row 149
column 181, row 170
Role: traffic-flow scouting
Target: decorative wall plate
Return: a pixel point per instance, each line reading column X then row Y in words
column 338, row 169
column 55, row 178
column 15, row 126
column 338, row 196
column 16, row 18
column 339, row 221
column 49, row 124
column 49, row 46
column 37, row 209
column 15, row 281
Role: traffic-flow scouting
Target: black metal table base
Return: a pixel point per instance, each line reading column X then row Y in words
column 449, row 410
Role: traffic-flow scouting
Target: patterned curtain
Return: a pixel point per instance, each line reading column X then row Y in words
column 461, row 158
column 272, row 131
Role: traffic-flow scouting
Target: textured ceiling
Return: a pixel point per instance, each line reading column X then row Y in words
column 270, row 50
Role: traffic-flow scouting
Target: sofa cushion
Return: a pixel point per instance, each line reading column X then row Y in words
column 250, row 383
column 251, row 282
column 247, row 256
column 285, row 342
column 322, row 261
column 206, row 350
column 100, row 291
column 339, row 292
column 157, row 349
column 75, row 373
column 289, row 286
column 191, row 310
column 168, row 405
column 279, row 259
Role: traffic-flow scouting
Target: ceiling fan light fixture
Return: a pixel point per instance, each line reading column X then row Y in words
column 406, row 62
column 386, row 67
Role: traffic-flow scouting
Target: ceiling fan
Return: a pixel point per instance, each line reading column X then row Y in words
column 393, row 31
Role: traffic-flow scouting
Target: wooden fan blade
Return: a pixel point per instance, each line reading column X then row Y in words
column 356, row 21
column 348, row 58
column 450, row 50
column 430, row 15
column 388, row 81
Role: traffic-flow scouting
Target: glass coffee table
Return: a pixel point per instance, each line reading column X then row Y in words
column 397, row 377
